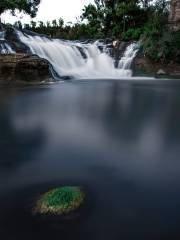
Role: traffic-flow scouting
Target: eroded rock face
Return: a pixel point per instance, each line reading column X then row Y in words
column 174, row 17
column 145, row 66
column 22, row 67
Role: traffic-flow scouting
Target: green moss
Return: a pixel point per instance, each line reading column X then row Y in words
column 60, row 201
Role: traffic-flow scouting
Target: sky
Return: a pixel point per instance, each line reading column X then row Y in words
column 52, row 9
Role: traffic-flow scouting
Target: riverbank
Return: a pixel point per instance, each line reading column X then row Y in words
column 144, row 66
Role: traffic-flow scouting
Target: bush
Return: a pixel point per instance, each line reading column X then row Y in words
column 132, row 34
column 164, row 46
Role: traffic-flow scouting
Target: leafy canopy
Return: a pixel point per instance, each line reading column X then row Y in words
column 29, row 7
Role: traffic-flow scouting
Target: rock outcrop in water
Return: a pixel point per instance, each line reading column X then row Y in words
column 22, row 67
column 60, row 201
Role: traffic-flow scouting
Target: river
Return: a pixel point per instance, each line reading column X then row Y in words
column 119, row 140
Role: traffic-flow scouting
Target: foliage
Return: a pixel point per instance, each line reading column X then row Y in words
column 27, row 6
column 60, row 201
column 158, row 42
column 163, row 46
column 132, row 34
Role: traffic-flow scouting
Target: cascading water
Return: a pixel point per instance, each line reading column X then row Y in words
column 2, row 35
column 4, row 46
column 79, row 60
column 128, row 56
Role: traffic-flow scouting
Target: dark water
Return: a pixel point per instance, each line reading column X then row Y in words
column 119, row 140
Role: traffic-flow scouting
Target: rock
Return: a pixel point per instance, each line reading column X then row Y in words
column 59, row 201
column 116, row 50
column 23, row 67
column 145, row 66
column 161, row 72
column 12, row 39
column 174, row 16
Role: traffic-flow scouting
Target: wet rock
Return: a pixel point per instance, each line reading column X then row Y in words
column 13, row 40
column 22, row 67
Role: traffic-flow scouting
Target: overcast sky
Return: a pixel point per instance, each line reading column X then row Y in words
column 53, row 9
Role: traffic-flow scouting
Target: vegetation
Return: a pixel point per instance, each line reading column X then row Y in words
column 60, row 201
column 27, row 6
column 120, row 19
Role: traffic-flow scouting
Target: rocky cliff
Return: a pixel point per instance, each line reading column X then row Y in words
column 145, row 66
column 174, row 17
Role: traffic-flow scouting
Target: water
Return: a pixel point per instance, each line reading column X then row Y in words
column 129, row 55
column 79, row 60
column 119, row 140
column 2, row 35
column 5, row 48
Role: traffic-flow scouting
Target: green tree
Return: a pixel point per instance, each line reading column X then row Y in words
column 54, row 23
column 33, row 25
column 29, row 7
column 61, row 22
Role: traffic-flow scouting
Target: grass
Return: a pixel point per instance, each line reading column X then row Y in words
column 60, row 201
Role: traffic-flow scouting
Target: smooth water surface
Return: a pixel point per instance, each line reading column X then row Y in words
column 119, row 140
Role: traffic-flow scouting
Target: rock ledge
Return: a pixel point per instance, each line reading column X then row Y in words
column 24, row 68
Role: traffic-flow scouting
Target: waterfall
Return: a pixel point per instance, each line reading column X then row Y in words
column 2, row 35
column 4, row 46
column 128, row 56
column 77, row 59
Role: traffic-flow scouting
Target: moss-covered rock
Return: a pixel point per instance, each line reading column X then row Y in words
column 60, row 201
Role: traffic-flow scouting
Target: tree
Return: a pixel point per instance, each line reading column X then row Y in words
column 61, row 22
column 29, row 7
column 54, row 23
column 33, row 25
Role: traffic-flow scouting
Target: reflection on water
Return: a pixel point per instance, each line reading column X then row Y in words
column 118, row 140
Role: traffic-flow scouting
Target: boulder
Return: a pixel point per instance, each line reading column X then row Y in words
column 23, row 67
column 161, row 72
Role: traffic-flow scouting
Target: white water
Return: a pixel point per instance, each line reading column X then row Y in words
column 128, row 56
column 2, row 35
column 67, row 60
column 4, row 46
